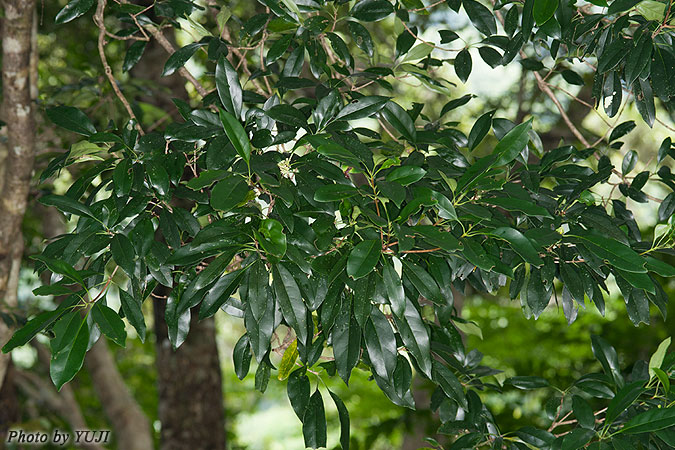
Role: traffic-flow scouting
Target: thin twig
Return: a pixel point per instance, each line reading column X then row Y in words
column 99, row 21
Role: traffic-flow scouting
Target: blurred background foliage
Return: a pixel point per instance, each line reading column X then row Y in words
column 69, row 73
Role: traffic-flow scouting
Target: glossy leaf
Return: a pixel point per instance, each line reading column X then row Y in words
column 543, row 10
column 110, row 323
column 179, row 58
column 346, row 338
column 371, row 10
column 229, row 89
column 228, row 193
column 236, row 134
column 314, row 422
column 65, row 364
column 290, row 300
column 381, row 344
column 343, row 415
column 363, row 258
column 71, row 119
column 73, row 10
column 463, row 65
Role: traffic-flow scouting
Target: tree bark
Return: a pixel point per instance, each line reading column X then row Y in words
column 17, row 113
column 190, row 385
column 129, row 423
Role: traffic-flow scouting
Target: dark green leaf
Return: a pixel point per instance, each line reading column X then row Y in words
column 229, row 89
column 314, row 422
column 371, row 10
column 159, row 178
column 618, row 6
column 381, row 344
column 334, row 192
column 297, row 389
column 517, row 204
column 480, row 129
column 290, row 300
column 629, row 162
column 273, row 239
column 228, row 193
column 608, row 358
column 400, row 120
column 73, row 10
column 236, row 134
column 241, row 356
column 619, row 255
column 416, row 337
column 361, row 37
column 577, row 439
column 638, row 58
column 343, row 415
column 67, row 205
column 623, row 399
column 179, row 58
column 583, row 412
column 406, row 175
column 394, row 288
column 423, row 282
column 649, row 421
column 71, row 119
column 481, row 17
column 123, row 253
column 510, row 146
column 363, row 258
column 449, row 383
column 435, row 236
column 463, row 65
column 133, row 55
column 24, row 334
column 66, row 363
column 133, row 312
column 528, row 382
column 346, row 338
column 520, row 244
column 572, row 77
column 288, row 115
column 110, row 323
column 61, row 267
column 544, row 10
column 621, row 130
column 362, row 107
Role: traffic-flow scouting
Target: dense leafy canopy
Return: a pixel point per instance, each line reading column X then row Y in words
column 274, row 200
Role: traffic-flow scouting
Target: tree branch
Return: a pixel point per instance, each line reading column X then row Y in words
column 99, row 21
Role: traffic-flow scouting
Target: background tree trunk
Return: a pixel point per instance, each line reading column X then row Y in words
column 190, row 385
column 15, row 172
column 129, row 423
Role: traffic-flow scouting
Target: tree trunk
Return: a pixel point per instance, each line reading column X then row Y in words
column 190, row 385
column 129, row 423
column 17, row 166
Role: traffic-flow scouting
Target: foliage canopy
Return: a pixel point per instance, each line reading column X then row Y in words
column 274, row 187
